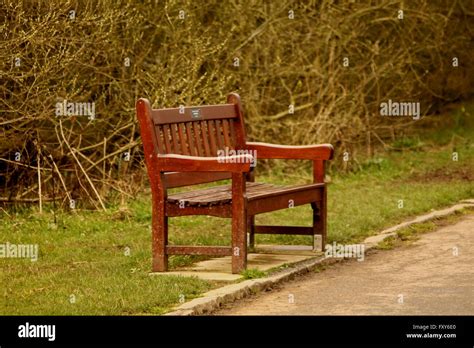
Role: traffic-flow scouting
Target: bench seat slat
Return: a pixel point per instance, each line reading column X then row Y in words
column 223, row 194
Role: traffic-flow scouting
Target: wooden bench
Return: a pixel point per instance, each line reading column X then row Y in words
column 187, row 146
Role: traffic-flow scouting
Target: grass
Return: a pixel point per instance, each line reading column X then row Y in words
column 102, row 259
column 410, row 234
column 253, row 273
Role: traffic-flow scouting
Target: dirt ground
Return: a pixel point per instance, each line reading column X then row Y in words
column 432, row 276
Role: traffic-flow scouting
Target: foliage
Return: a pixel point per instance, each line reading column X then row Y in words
column 189, row 58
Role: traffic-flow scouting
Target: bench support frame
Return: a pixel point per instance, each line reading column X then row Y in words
column 167, row 169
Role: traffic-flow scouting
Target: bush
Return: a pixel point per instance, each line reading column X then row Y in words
column 186, row 53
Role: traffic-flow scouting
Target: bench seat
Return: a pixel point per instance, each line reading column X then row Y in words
column 193, row 145
column 222, row 194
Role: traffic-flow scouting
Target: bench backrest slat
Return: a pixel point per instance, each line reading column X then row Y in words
column 209, row 129
column 193, row 113
column 179, row 179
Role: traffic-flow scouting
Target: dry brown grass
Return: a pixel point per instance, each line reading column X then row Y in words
column 177, row 61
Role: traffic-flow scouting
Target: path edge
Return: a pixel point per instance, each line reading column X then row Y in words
column 214, row 299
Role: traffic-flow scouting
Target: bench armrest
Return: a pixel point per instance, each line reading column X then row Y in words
column 181, row 163
column 309, row 152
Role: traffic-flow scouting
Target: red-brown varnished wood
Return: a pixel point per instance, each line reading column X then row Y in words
column 232, row 132
column 309, row 152
column 272, row 202
column 159, row 218
column 211, row 127
column 318, row 171
column 239, row 223
column 205, row 140
column 293, row 230
column 198, row 138
column 190, row 136
column 223, row 211
column 320, row 213
column 239, row 125
column 166, row 136
column 182, row 163
column 226, row 130
column 250, row 218
column 159, row 140
column 206, row 112
column 321, row 224
column 220, row 139
column 159, row 229
column 175, row 139
column 181, row 149
column 222, row 194
column 182, row 139
column 180, row 179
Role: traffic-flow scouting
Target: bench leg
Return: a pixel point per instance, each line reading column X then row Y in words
column 320, row 219
column 159, row 238
column 324, row 219
column 251, row 228
column 239, row 241
column 316, row 226
column 251, row 223
column 239, row 223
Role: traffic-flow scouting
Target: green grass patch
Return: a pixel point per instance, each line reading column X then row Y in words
column 98, row 263
column 412, row 233
column 253, row 273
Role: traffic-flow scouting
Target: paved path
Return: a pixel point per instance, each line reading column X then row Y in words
column 422, row 278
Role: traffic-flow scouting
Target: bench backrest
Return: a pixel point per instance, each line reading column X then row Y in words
column 194, row 131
